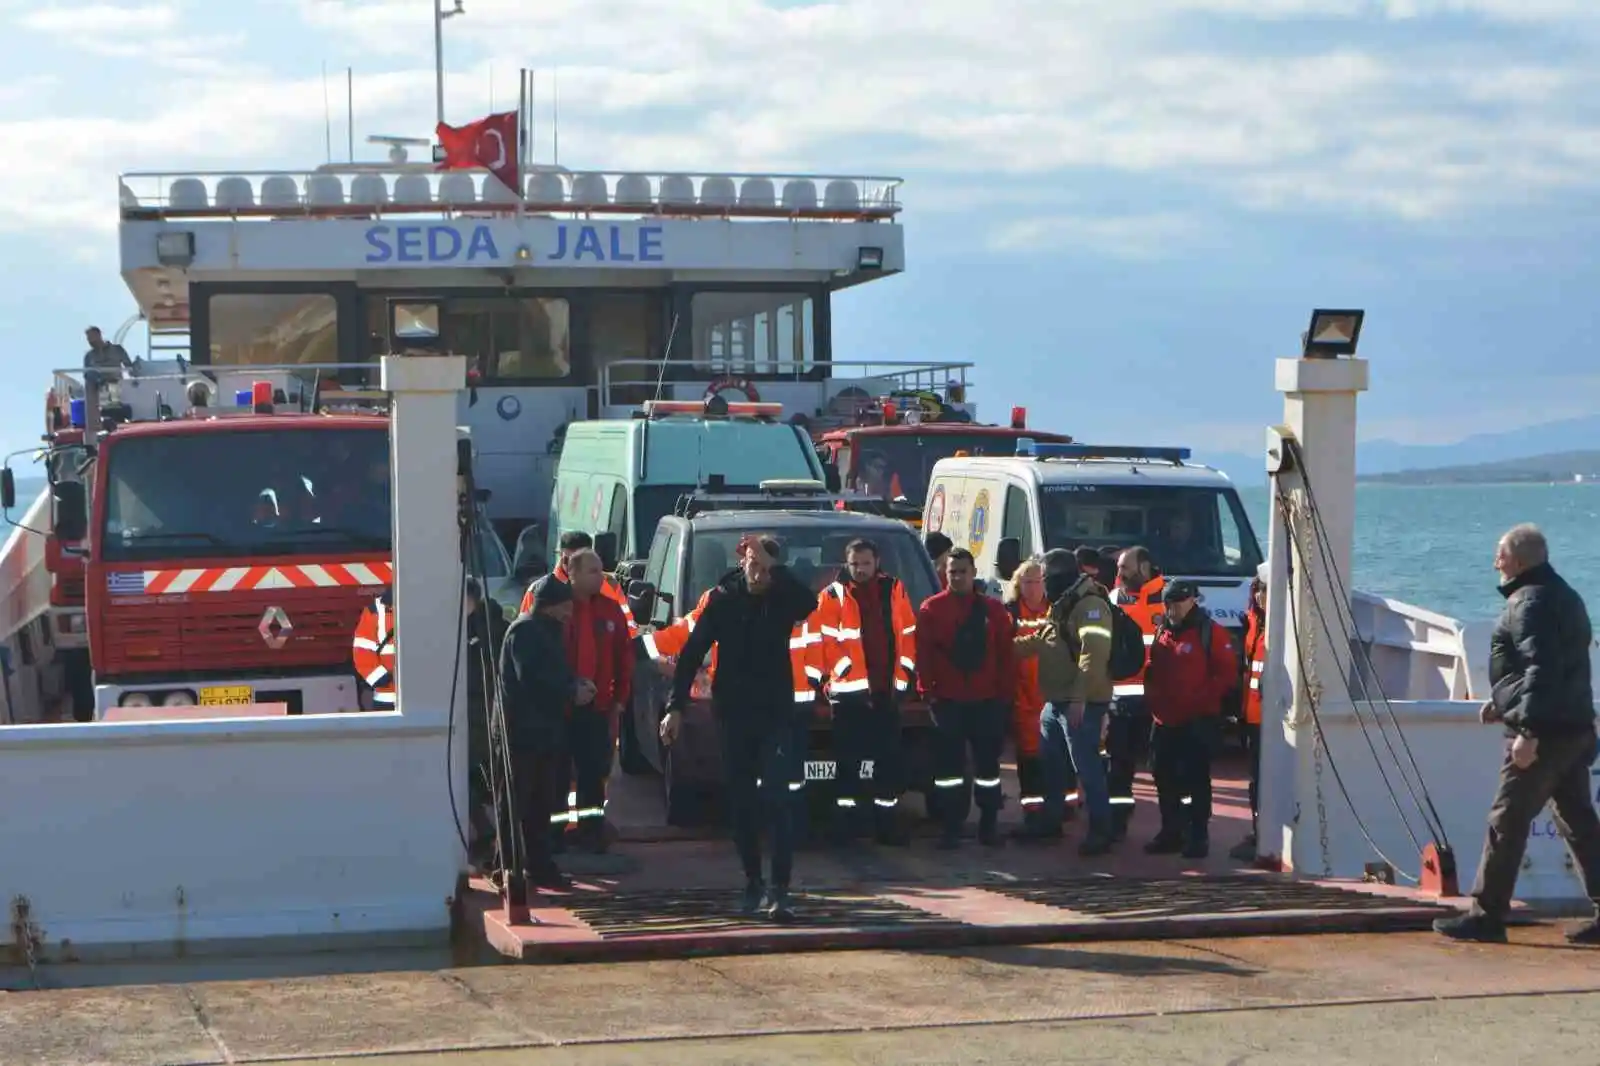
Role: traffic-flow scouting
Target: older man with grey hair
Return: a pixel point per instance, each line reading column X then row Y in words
column 1541, row 693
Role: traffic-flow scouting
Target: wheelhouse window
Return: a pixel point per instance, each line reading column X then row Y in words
column 1198, row 531
column 508, row 340
column 274, row 329
column 511, row 340
column 277, row 492
column 754, row 332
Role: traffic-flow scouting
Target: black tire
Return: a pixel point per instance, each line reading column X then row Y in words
column 629, row 757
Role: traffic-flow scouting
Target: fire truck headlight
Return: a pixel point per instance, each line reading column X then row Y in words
column 181, row 698
column 135, row 699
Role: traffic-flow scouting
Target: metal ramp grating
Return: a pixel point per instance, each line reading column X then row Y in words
column 1189, row 897
column 701, row 911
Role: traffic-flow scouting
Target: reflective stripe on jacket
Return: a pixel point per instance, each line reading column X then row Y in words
column 1144, row 606
column 1255, row 648
column 844, row 654
column 372, row 651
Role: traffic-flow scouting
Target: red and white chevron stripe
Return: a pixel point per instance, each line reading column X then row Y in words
column 262, row 578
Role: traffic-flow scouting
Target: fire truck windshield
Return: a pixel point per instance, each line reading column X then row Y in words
column 243, row 493
column 892, row 465
column 1194, row 531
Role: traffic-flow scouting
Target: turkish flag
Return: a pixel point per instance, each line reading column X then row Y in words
column 490, row 143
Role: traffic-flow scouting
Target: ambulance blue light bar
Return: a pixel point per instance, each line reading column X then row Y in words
column 1033, row 449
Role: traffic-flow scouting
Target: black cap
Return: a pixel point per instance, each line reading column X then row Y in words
column 937, row 544
column 551, row 593
column 1087, row 556
column 1179, row 590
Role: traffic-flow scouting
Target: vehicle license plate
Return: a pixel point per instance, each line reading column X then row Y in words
column 821, row 771
column 219, row 695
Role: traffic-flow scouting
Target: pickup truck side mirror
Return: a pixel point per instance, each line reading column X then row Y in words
column 641, row 599
column 1008, row 556
column 605, row 546
column 71, row 510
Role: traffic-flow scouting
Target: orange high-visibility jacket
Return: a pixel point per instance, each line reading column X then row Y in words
column 1029, row 701
column 610, row 589
column 1144, row 606
column 1255, row 647
column 805, row 644
column 372, row 650
column 844, row 656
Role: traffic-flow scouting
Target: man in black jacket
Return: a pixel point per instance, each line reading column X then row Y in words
column 750, row 617
column 1541, row 692
column 538, row 688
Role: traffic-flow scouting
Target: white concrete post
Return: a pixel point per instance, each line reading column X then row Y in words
column 427, row 556
column 1276, row 795
column 1320, row 409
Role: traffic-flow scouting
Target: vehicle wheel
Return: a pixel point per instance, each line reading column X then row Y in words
column 685, row 804
column 631, row 759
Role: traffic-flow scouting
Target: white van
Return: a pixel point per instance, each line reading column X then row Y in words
column 1066, row 495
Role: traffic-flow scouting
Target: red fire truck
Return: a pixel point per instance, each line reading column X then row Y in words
column 230, row 551
column 891, row 453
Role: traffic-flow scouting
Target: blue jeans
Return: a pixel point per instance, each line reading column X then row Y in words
column 1062, row 748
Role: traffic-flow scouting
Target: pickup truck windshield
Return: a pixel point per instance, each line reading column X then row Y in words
column 815, row 553
column 245, row 493
column 1199, row 531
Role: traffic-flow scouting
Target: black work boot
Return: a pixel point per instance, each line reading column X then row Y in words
column 1121, row 815
column 1586, row 934
column 754, row 897
column 780, row 908
column 950, row 836
column 1474, row 926
column 1164, row 843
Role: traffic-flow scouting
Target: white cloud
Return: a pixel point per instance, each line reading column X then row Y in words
column 1032, row 94
column 1150, row 236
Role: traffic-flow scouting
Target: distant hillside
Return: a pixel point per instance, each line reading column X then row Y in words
column 1537, row 469
column 1534, row 444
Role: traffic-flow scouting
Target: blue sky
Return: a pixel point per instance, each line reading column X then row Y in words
column 1121, row 212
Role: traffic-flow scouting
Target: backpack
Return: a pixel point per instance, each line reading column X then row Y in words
column 969, row 649
column 1128, row 653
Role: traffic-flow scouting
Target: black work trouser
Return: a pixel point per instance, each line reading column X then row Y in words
column 866, row 740
column 1127, row 748
column 539, row 777
column 959, row 725
column 1180, row 761
column 589, row 741
column 1558, row 776
column 762, row 765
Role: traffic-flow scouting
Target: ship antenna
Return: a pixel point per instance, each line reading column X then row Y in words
column 327, row 113
column 666, row 355
column 555, row 117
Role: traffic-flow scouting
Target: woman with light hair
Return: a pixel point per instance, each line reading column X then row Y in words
column 1025, row 599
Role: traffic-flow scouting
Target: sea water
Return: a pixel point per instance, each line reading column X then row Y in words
column 1433, row 545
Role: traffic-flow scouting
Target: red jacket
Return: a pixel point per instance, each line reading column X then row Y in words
column 597, row 641
column 1183, row 683
column 941, row 616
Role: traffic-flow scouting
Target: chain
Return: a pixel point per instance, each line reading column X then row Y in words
column 1322, row 805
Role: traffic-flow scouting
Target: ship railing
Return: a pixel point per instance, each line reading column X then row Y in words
column 153, row 389
column 622, row 378
column 376, row 192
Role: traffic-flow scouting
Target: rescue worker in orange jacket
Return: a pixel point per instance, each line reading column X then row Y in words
column 599, row 650
column 1026, row 601
column 1138, row 592
column 868, row 633
column 1255, row 658
column 576, row 541
column 372, row 652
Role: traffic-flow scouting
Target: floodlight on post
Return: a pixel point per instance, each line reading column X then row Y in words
column 1332, row 333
